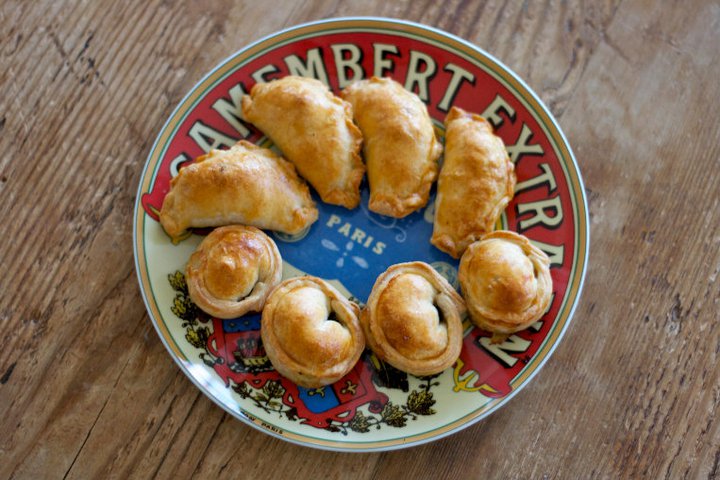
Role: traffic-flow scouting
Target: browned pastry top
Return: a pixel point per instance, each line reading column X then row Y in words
column 476, row 183
column 505, row 281
column 400, row 146
column 413, row 319
column 311, row 333
column 233, row 270
column 247, row 185
column 314, row 130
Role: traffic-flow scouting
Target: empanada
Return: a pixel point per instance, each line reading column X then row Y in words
column 233, row 270
column 400, row 147
column 506, row 283
column 413, row 319
column 476, row 182
column 246, row 185
column 314, row 130
column 311, row 332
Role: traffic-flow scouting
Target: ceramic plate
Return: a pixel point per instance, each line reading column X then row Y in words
column 375, row 407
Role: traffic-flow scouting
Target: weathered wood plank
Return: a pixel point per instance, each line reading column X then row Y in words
column 87, row 387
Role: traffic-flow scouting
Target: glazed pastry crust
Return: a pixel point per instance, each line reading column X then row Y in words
column 311, row 332
column 506, row 282
column 400, row 146
column 476, row 183
column 233, row 271
column 314, row 130
column 413, row 319
column 246, row 185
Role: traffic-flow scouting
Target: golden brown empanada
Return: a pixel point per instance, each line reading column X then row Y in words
column 476, row 182
column 506, row 283
column 400, row 147
column 233, row 270
column 314, row 130
column 246, row 185
column 311, row 332
column 413, row 319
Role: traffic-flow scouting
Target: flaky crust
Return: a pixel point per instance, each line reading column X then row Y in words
column 246, row 185
column 314, row 130
column 476, row 183
column 413, row 319
column 506, row 282
column 233, row 271
column 311, row 332
column 401, row 150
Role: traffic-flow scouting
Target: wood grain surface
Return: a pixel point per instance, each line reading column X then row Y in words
column 87, row 390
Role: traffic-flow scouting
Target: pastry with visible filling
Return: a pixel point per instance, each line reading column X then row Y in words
column 400, row 147
column 476, row 182
column 233, row 270
column 311, row 332
column 506, row 283
column 413, row 319
column 314, row 130
column 246, row 185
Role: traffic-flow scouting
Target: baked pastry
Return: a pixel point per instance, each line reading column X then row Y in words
column 413, row 319
column 311, row 332
column 314, row 130
column 233, row 271
column 506, row 283
column 476, row 182
column 400, row 147
column 246, row 185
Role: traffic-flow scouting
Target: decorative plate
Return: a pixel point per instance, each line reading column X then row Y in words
column 374, row 407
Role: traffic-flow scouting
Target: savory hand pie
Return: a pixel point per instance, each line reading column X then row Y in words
column 246, row 185
column 506, row 283
column 314, row 130
column 476, row 182
column 311, row 332
column 233, row 271
column 413, row 319
column 401, row 151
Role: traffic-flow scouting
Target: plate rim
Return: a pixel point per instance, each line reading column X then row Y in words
column 400, row 442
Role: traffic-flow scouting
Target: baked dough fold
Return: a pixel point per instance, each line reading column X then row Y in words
column 476, row 182
column 246, row 185
column 233, row 271
column 311, row 332
column 506, row 283
column 413, row 319
column 400, row 147
column 314, row 130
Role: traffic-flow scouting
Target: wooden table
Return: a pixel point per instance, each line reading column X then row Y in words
column 87, row 390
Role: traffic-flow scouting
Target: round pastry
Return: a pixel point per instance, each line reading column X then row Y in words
column 506, row 283
column 311, row 332
column 413, row 319
column 233, row 271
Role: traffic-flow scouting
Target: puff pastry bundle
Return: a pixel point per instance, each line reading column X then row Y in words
column 476, row 183
column 401, row 150
column 413, row 319
column 246, row 185
column 314, row 130
column 311, row 332
column 506, row 283
column 233, row 271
